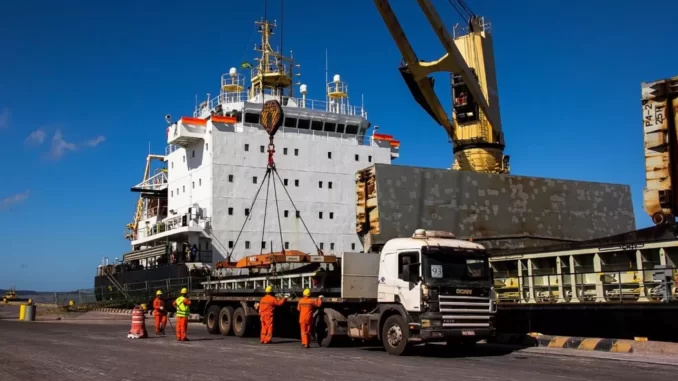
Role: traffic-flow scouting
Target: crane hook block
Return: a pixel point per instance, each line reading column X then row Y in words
column 272, row 116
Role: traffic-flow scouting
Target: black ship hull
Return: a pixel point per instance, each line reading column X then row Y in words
column 142, row 282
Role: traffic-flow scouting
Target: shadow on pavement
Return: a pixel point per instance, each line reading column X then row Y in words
column 444, row 351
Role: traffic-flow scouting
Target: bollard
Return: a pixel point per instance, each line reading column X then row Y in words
column 71, row 303
column 22, row 312
column 4, row 300
column 30, row 312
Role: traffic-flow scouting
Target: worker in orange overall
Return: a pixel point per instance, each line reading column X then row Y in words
column 266, row 306
column 182, row 304
column 305, row 307
column 159, row 313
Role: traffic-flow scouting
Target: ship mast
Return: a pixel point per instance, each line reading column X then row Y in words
column 273, row 72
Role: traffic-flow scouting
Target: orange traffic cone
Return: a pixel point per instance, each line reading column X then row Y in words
column 138, row 330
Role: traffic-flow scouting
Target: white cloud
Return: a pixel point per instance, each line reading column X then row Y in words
column 60, row 146
column 14, row 199
column 36, row 137
column 4, row 118
column 96, row 141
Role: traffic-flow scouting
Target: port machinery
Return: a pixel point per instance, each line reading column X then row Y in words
column 635, row 267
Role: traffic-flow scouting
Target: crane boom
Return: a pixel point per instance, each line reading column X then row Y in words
column 475, row 128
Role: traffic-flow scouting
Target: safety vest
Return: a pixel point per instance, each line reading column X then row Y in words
column 182, row 309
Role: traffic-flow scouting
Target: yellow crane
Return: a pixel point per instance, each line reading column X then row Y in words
column 475, row 126
column 132, row 226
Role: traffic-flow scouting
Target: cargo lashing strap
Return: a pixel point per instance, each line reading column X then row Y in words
column 271, row 119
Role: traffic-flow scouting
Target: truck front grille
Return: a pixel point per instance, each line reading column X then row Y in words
column 465, row 311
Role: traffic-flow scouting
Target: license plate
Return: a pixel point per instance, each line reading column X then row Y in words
column 468, row 333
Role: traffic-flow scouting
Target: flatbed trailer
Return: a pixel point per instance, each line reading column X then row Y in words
column 366, row 296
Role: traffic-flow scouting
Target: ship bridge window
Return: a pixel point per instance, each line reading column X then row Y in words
column 341, row 128
column 251, row 118
column 330, row 127
column 247, row 245
column 284, row 151
column 290, row 122
column 317, row 125
column 304, row 124
column 351, row 129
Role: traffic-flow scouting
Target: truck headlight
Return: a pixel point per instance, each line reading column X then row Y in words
column 428, row 323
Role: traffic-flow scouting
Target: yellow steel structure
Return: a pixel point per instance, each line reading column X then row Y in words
column 475, row 128
column 274, row 71
column 132, row 227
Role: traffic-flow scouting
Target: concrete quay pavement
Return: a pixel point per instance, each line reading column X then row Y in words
column 93, row 346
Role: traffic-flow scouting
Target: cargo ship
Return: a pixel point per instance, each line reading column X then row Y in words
column 196, row 196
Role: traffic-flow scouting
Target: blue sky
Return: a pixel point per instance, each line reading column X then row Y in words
column 84, row 87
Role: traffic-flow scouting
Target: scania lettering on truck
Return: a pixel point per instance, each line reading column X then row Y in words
column 429, row 287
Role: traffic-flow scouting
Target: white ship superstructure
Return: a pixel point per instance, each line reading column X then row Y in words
column 217, row 158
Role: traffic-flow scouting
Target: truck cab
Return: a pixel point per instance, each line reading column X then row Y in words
column 431, row 288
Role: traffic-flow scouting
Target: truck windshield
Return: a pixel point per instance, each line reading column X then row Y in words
column 448, row 266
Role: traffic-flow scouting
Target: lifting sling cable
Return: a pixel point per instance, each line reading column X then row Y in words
column 271, row 118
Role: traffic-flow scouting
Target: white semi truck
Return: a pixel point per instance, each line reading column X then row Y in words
column 429, row 287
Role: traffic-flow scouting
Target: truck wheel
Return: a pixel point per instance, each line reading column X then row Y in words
column 211, row 320
column 322, row 331
column 240, row 322
column 226, row 320
column 395, row 335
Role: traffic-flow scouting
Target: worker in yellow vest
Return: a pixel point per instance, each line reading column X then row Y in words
column 182, row 304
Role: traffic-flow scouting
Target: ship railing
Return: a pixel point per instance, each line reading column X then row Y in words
column 155, row 212
column 142, row 292
column 252, row 128
column 545, row 286
column 293, row 102
column 155, row 182
column 168, row 225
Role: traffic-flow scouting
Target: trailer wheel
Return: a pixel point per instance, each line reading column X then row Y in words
column 322, row 331
column 211, row 320
column 226, row 320
column 240, row 322
column 395, row 335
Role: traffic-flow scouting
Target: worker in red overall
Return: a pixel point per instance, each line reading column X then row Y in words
column 267, row 305
column 159, row 313
column 305, row 307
